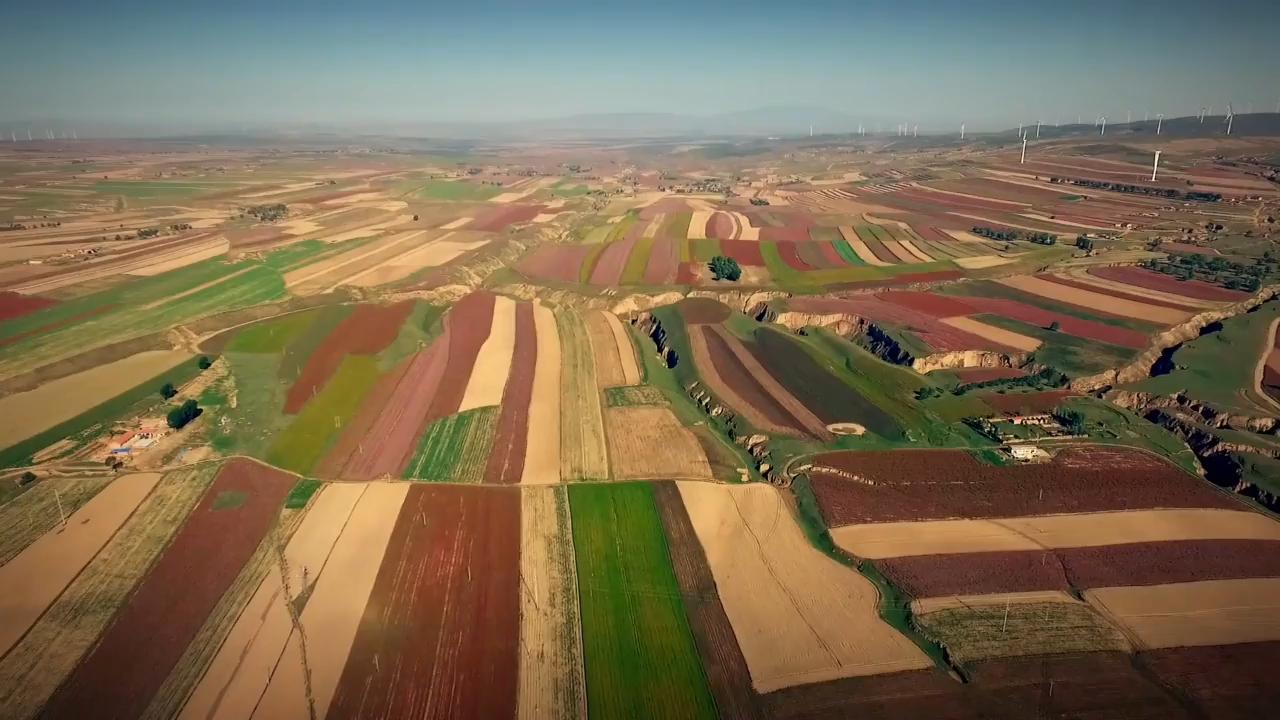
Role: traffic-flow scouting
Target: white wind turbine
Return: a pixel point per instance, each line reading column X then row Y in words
column 1104, row 125
column 1037, row 129
column 1230, row 116
column 1155, row 166
column 1159, row 122
column 1023, row 161
column 1201, row 114
column 961, row 131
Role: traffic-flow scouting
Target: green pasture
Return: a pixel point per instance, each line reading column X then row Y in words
column 455, row 448
column 304, row 441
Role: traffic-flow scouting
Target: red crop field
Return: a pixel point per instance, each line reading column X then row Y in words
column 746, row 252
column 733, row 373
column 1148, row 563
column 687, row 274
column 440, row 634
column 663, row 260
column 608, row 269
column 1157, row 281
column 366, row 331
column 511, row 437
column 468, row 324
column 171, row 603
column 560, row 263
column 392, row 438
column 789, row 252
column 1025, row 403
column 721, row 226
column 1069, row 324
column 499, row 219
column 811, row 253
column 900, row 279
column 14, row 304
column 1227, row 681
column 351, row 439
column 895, row 485
column 830, row 255
column 794, row 227
column 1112, row 293
column 936, row 334
column 928, row 303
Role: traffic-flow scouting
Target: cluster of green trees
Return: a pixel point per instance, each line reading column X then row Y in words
column 759, row 201
column 724, row 268
column 1045, row 378
column 1216, row 269
column 269, row 213
column 183, row 414
column 1141, row 189
column 1072, row 420
column 1084, row 242
column 1010, row 235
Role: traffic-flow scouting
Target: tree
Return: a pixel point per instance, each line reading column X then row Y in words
column 725, row 268
column 183, row 414
column 168, row 390
column 1055, row 326
column 204, row 362
column 27, row 478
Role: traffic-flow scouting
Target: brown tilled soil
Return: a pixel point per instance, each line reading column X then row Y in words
column 468, row 324
column 171, row 603
column 440, row 635
column 726, row 668
column 506, row 459
column 703, row 311
column 894, row 485
column 1227, row 681
column 743, row 384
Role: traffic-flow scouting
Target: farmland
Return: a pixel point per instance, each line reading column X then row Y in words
column 482, row 431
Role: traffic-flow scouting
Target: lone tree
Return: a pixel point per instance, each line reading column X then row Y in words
column 724, row 268
column 1055, row 326
column 204, row 362
column 183, row 414
column 168, row 390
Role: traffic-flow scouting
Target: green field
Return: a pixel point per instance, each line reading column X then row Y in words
column 638, row 649
column 633, row 271
column 1072, row 355
column 271, row 336
column 457, row 190
column 249, row 427
column 152, row 190
column 301, row 493
column 301, row 445
column 631, row 395
column 303, row 345
column 1218, row 367
column 454, row 449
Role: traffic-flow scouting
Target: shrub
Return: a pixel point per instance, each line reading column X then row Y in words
column 183, row 414
column 725, row 268
column 168, row 390
column 204, row 362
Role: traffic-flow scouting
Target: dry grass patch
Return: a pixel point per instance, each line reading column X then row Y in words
column 649, row 443
column 583, row 454
column 1210, row 612
column 799, row 616
column 493, row 361
column 900, row 539
column 36, row 511
column 1095, row 300
column 997, row 335
column 609, row 371
column 1011, row 629
column 542, row 449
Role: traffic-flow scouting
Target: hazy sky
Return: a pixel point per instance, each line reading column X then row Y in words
column 201, row 64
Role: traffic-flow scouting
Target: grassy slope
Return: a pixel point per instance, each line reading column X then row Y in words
column 638, row 648
column 1072, row 355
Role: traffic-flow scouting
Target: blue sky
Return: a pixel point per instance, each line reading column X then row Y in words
column 225, row 64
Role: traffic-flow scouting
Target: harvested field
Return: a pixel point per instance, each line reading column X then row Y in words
column 237, row 675
column 1038, row 532
column 552, row 677
column 1095, row 301
column 50, row 650
column 775, row 390
column 1227, row 681
column 885, row 486
column 414, row 259
column 1129, row 564
column 307, row 671
column 583, row 454
column 39, row 510
column 698, row 224
column 1151, row 280
column 505, row 465
column 440, row 635
column 823, row 393
column 366, row 331
column 860, row 247
column 493, row 360
column 997, row 335
column 982, row 262
column 1085, row 281
column 627, row 362
column 334, row 270
column 38, row 575
column 542, row 448
column 1037, row 628
column 26, row 414
column 638, row 649
column 608, row 363
column 455, row 448
column 1211, row 612
column 635, row 432
column 169, row 606
column 799, row 616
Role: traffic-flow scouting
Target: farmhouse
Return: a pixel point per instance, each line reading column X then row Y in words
column 1027, row 453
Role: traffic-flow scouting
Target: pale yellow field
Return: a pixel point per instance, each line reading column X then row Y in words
column 948, row 602
column 29, row 413
column 37, row 575
column 860, row 247
column 455, row 224
column 1211, row 612
column 174, row 259
column 980, row 262
column 493, row 361
column 1081, row 275
column 238, row 674
column 1096, row 301
column 899, row 539
column 604, row 347
column 799, row 616
column 635, row 432
column 431, row 254
column 993, row 333
column 626, row 351
column 542, row 450
column 745, row 230
column 651, row 229
column 917, row 252
column 583, row 453
column 335, row 270
column 552, row 679
column 899, row 251
column 698, row 224
column 333, row 612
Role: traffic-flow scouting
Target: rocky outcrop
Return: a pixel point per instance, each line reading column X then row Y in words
column 969, row 359
column 652, row 327
column 1143, row 403
column 1140, row 367
column 843, row 324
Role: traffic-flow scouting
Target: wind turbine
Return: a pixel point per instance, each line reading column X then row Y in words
column 1230, row 116
column 1155, row 166
column 13, row 137
column 1037, row 129
column 1128, row 117
column 961, row 131
column 1019, row 128
column 1104, row 125
column 28, row 134
column 1159, row 122
column 1201, row 114
column 1023, row 161
column 915, row 131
